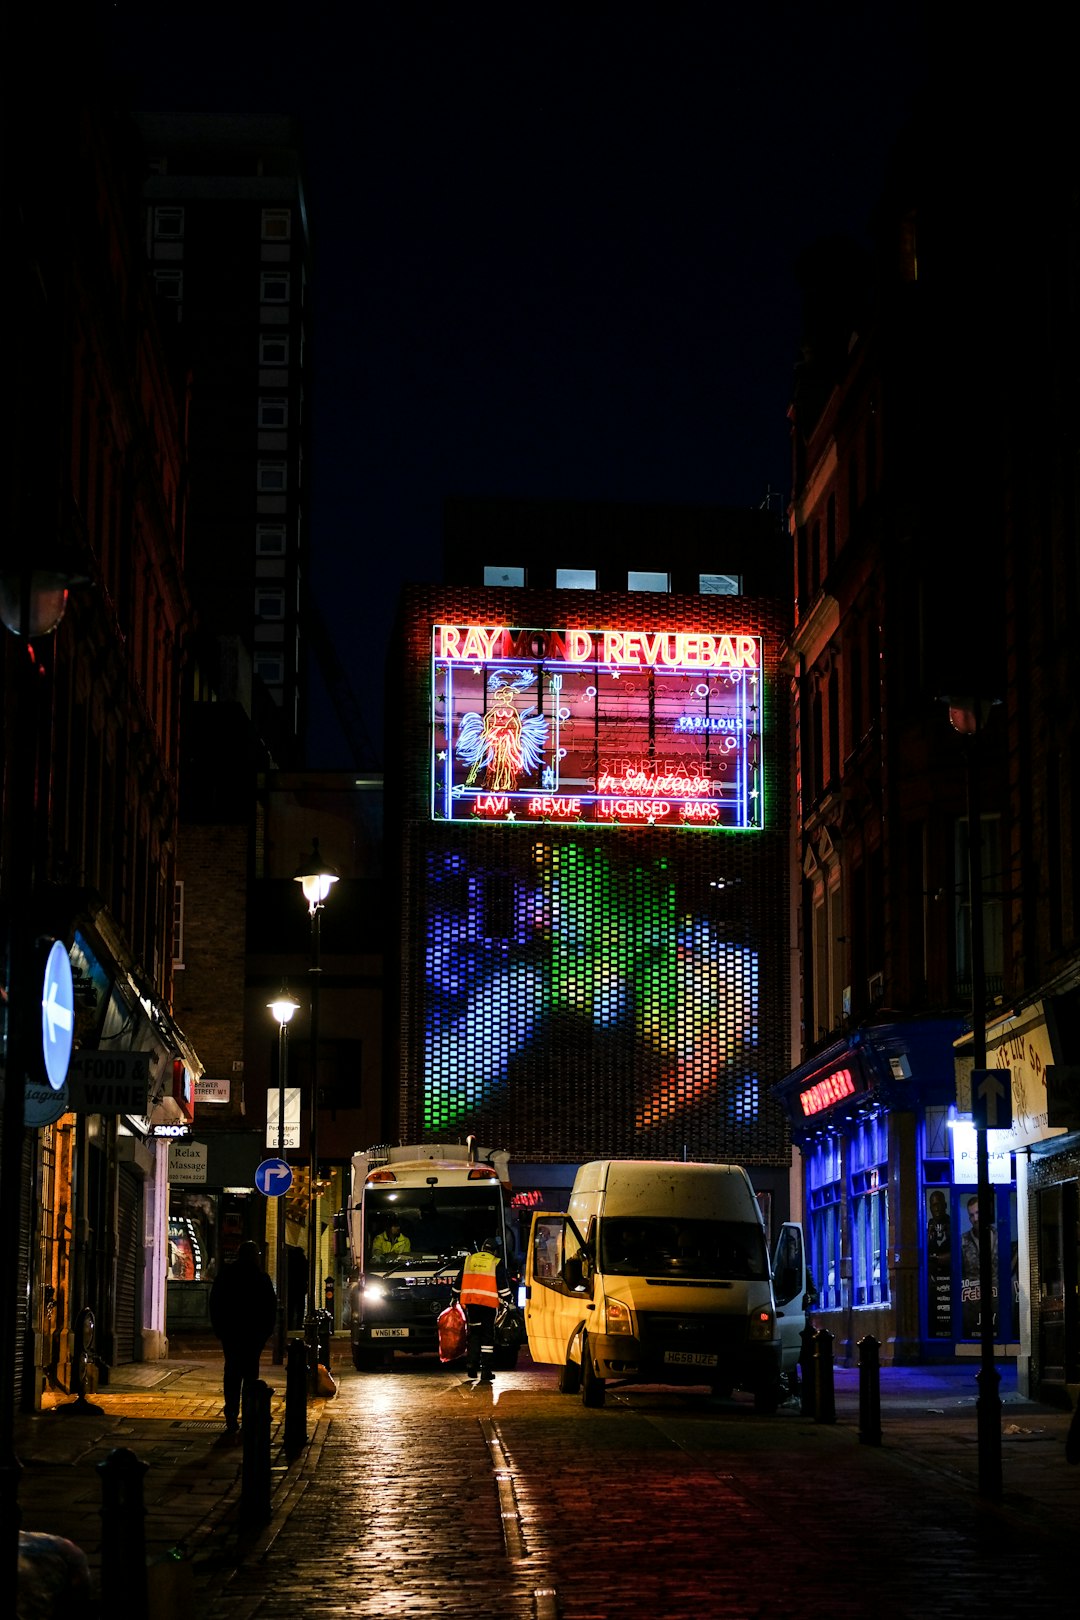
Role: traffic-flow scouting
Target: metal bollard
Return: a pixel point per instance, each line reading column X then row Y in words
column 824, row 1390
column 870, row 1391
column 806, row 1372
column 325, row 1321
column 296, row 1388
column 255, row 1477
column 123, row 1535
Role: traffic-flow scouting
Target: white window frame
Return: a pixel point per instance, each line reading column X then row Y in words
column 168, row 223
column 269, row 603
column 270, row 540
column 178, row 924
column 268, row 340
column 272, row 476
column 575, row 579
column 273, row 411
column 643, row 579
column 269, row 292
column 276, row 216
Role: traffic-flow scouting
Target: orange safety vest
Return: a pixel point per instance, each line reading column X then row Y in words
column 478, row 1280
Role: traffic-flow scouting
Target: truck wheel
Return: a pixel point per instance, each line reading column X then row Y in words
column 593, row 1387
column 366, row 1360
column 569, row 1377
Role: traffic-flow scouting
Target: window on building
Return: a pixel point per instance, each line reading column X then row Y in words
column 168, row 224
column 274, row 286
column 178, row 925
column 270, row 539
column 273, row 412
column 169, row 286
column 720, row 584
column 269, row 602
column 273, row 349
column 575, row 579
column 639, row 580
column 270, row 668
column 825, row 1196
column 503, row 576
column 272, row 476
column 276, row 224
column 993, row 908
column 870, row 1211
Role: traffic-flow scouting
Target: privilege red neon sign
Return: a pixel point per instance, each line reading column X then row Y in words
column 833, row 1089
column 621, row 649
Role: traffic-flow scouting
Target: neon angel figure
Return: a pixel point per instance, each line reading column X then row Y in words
column 504, row 742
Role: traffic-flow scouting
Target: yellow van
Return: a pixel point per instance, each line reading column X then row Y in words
column 659, row 1273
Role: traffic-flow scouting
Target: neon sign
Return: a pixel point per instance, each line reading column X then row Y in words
column 833, row 1089
column 605, row 727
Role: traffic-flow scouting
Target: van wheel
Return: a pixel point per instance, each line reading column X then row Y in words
column 505, row 1358
column 766, row 1397
column 569, row 1377
column 593, row 1387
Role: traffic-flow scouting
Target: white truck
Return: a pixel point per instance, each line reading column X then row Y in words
column 444, row 1200
column 659, row 1273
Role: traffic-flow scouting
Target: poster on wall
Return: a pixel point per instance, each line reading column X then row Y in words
column 938, row 1265
column 606, row 727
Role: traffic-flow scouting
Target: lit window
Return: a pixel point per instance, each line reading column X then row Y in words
column 270, row 539
column 274, row 286
column 720, row 584
column 273, row 350
column 272, row 476
column 276, row 224
column 503, row 576
column 639, row 581
column 269, row 603
column 273, row 413
column 575, row 579
column 168, row 224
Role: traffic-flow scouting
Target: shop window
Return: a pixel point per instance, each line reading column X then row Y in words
column 825, row 1187
column 870, row 1212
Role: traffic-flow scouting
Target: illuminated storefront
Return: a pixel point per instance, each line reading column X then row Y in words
column 890, row 1196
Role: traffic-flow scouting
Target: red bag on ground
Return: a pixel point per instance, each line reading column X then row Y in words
column 453, row 1333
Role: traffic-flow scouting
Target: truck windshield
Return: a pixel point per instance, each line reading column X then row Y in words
column 683, row 1248
column 411, row 1223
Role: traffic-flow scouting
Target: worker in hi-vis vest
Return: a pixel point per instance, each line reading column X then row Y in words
column 482, row 1284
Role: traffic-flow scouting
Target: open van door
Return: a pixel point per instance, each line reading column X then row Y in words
column 558, row 1286
column 789, row 1296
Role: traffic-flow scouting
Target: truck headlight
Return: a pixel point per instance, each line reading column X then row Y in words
column 618, row 1316
column 375, row 1290
column 762, row 1325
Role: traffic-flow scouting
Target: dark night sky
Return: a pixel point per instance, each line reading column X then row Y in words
column 554, row 244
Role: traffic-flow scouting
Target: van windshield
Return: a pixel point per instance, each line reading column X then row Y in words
column 656, row 1247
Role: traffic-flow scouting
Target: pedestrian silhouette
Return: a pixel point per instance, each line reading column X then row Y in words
column 243, row 1310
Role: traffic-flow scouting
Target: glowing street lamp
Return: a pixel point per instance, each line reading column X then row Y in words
column 316, row 879
column 283, row 1009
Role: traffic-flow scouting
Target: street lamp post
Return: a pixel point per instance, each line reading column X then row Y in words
column 316, row 879
column 967, row 717
column 283, row 1009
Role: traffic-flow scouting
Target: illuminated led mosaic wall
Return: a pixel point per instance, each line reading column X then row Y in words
column 571, row 990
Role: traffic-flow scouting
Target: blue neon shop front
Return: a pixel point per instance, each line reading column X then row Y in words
column 889, row 1190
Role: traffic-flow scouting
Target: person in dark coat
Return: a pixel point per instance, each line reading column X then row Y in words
column 243, row 1311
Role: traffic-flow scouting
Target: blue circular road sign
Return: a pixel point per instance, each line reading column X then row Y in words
column 57, row 1014
column 273, row 1177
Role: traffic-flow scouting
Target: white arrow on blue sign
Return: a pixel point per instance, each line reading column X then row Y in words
column 273, row 1177
column 57, row 1014
column 991, row 1099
